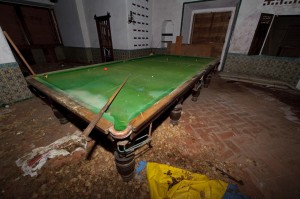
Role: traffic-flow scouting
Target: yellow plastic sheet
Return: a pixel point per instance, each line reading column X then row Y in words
column 170, row 182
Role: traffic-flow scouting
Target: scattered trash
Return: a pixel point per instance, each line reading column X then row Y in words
column 19, row 132
column 170, row 182
column 138, row 171
column 35, row 160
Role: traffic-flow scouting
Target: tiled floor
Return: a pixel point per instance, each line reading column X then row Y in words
column 250, row 126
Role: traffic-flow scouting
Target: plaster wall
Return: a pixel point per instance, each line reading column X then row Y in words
column 165, row 10
column 70, row 24
column 248, row 18
column 186, row 25
column 139, row 33
column 118, row 21
column 6, row 55
column 82, row 22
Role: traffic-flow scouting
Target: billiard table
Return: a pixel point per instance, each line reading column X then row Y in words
column 155, row 83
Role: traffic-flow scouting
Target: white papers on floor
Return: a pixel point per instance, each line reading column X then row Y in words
column 35, row 160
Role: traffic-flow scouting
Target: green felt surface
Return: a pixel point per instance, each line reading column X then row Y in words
column 150, row 79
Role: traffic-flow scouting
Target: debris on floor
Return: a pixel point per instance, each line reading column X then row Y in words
column 229, row 129
column 35, row 160
column 5, row 110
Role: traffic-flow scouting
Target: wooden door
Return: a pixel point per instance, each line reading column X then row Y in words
column 210, row 29
column 104, row 35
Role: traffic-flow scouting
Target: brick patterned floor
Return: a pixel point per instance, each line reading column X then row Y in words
column 250, row 126
column 246, row 125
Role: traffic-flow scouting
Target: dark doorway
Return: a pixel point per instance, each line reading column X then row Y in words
column 284, row 37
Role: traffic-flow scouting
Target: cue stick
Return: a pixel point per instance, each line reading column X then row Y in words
column 19, row 53
column 90, row 127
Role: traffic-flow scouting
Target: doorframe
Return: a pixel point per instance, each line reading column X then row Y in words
column 215, row 10
column 228, row 37
column 97, row 20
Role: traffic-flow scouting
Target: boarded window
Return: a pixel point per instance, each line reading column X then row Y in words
column 210, row 27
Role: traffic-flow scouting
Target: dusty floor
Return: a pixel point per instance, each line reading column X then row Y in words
column 252, row 133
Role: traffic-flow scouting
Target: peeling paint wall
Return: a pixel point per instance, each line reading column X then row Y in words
column 248, row 17
column 270, row 68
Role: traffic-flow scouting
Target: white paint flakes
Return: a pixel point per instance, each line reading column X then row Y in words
column 35, row 160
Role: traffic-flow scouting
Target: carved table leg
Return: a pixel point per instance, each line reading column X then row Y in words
column 196, row 91
column 176, row 114
column 125, row 163
column 207, row 80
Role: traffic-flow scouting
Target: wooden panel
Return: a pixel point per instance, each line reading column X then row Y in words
column 178, row 45
column 104, row 36
column 216, row 49
column 201, row 27
column 210, row 27
column 10, row 23
column 171, row 49
column 38, row 22
column 219, row 26
column 202, row 50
